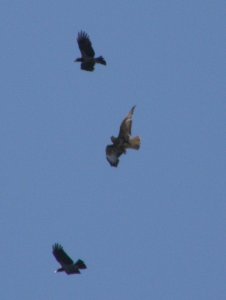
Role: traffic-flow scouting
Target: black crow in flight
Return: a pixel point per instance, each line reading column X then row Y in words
column 67, row 264
column 123, row 141
column 88, row 58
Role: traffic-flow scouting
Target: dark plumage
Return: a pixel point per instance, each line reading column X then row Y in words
column 67, row 264
column 88, row 59
column 123, row 141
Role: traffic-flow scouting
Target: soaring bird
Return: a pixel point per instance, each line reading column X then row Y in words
column 123, row 141
column 67, row 264
column 88, row 59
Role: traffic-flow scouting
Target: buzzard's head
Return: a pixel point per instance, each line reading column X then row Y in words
column 113, row 139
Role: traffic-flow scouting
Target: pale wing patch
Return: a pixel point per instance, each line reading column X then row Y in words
column 112, row 158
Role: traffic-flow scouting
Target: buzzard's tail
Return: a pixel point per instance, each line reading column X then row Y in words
column 134, row 143
column 101, row 60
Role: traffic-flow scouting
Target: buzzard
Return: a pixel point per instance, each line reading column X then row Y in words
column 123, row 141
column 67, row 264
column 88, row 59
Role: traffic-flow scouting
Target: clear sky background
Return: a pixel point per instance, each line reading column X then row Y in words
column 153, row 228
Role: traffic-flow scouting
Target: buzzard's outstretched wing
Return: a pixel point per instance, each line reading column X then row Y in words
column 112, row 154
column 85, row 45
column 126, row 125
column 61, row 256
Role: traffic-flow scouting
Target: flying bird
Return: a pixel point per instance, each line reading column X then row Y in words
column 123, row 142
column 88, row 59
column 67, row 264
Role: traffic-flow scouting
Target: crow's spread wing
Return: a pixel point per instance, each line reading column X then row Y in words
column 88, row 66
column 61, row 256
column 126, row 126
column 85, row 45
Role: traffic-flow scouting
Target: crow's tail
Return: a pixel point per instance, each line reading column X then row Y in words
column 101, row 60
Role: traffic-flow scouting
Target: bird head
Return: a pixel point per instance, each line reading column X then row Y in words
column 113, row 139
column 78, row 60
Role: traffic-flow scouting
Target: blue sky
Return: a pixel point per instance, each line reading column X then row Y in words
column 154, row 228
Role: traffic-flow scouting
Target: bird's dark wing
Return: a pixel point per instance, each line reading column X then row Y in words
column 80, row 264
column 88, row 66
column 112, row 154
column 126, row 125
column 85, row 45
column 61, row 256
column 74, row 271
